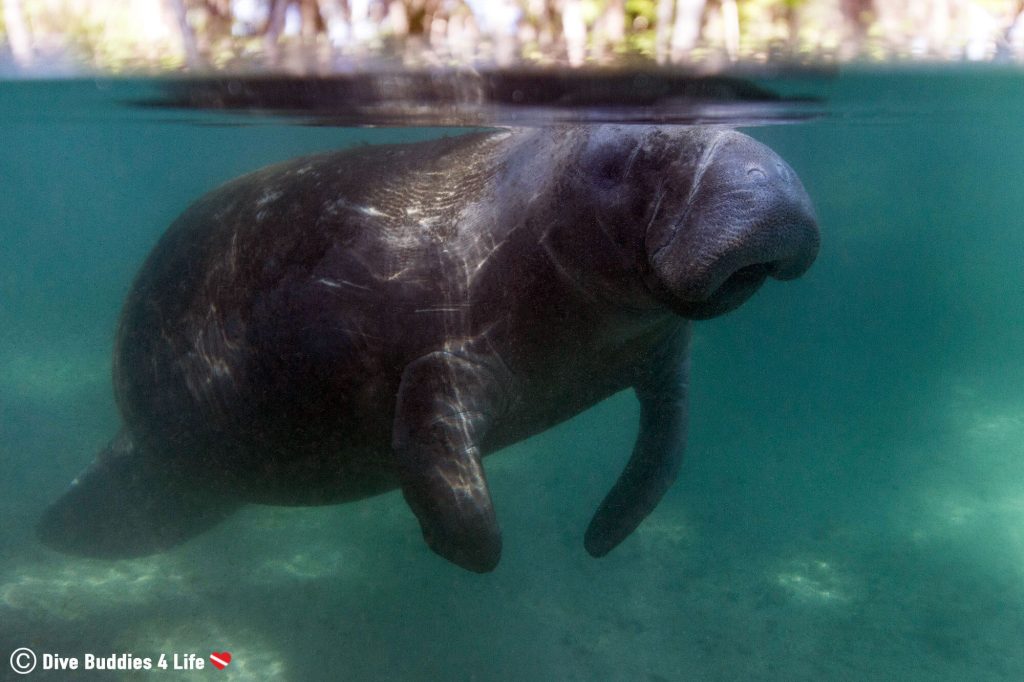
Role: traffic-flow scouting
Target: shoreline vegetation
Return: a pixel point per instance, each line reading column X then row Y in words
column 308, row 37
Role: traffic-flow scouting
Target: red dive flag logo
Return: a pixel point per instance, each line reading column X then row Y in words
column 220, row 659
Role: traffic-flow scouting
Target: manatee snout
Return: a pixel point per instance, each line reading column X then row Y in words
column 747, row 218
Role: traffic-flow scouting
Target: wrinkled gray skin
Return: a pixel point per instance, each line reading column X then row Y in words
column 337, row 326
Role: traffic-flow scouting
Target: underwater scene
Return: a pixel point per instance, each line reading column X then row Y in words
column 850, row 505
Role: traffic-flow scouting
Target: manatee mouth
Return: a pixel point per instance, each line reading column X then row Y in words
column 746, row 218
column 730, row 294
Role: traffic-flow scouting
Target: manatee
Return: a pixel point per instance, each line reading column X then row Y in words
column 341, row 325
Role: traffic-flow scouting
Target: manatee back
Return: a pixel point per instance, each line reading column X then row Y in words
column 269, row 307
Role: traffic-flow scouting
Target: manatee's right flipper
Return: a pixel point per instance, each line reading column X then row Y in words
column 125, row 505
column 446, row 404
column 662, row 390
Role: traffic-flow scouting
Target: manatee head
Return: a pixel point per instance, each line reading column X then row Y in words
column 745, row 217
column 717, row 212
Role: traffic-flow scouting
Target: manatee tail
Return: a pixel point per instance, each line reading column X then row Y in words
column 127, row 505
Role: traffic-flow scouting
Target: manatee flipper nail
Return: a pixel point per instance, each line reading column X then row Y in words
column 446, row 403
column 127, row 505
column 662, row 391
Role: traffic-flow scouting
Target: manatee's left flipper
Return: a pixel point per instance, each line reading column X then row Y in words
column 662, row 391
column 127, row 505
column 446, row 404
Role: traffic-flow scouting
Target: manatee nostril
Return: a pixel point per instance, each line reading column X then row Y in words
column 756, row 173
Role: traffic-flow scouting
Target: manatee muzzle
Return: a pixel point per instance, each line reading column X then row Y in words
column 747, row 218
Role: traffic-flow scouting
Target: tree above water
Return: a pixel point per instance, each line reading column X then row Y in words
column 313, row 35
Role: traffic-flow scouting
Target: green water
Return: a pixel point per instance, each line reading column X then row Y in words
column 852, row 502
